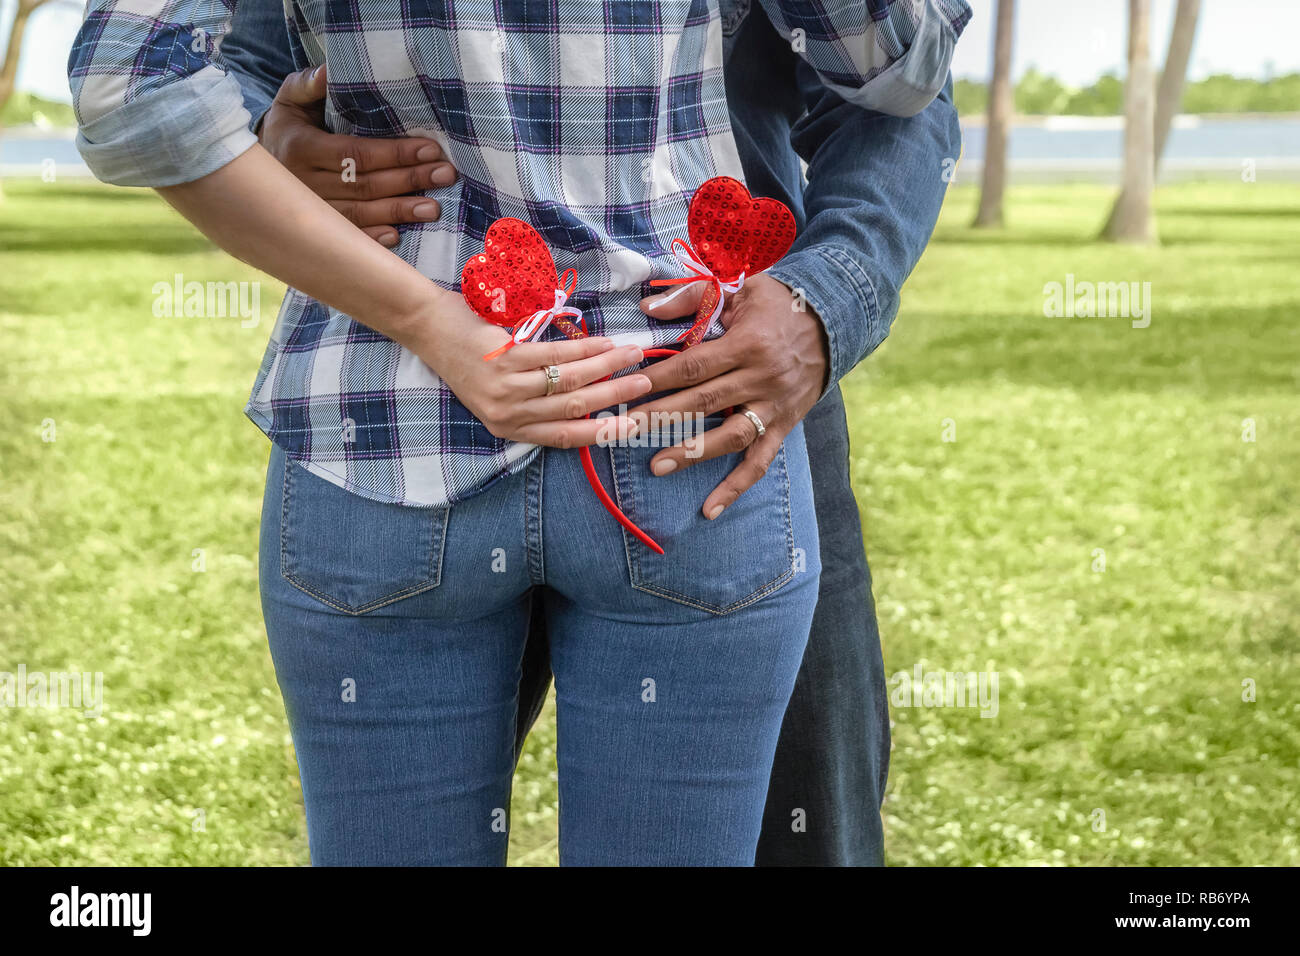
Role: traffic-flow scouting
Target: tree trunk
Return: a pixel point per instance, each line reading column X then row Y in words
column 1000, row 109
column 1131, row 220
column 9, row 69
column 1169, row 95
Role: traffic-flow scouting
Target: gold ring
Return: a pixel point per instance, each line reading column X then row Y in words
column 552, row 378
column 758, row 422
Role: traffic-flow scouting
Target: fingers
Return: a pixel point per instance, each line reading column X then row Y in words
column 574, row 375
column 379, row 168
column 684, row 304
column 382, row 184
column 745, row 475
column 522, row 411
column 694, row 365
column 592, row 398
column 372, row 154
column 386, row 236
column 388, row 212
column 584, row 431
column 535, row 355
column 329, row 153
column 304, row 88
column 715, row 395
column 734, row 435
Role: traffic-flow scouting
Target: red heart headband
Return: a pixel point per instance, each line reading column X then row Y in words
column 732, row 235
column 513, row 282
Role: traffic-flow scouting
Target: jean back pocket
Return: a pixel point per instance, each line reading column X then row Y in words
column 719, row 566
column 353, row 553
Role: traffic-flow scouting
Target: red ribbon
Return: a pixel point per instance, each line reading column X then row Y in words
column 593, row 479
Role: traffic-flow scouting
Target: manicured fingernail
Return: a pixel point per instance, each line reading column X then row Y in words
column 388, row 239
column 714, row 512
column 426, row 210
column 443, row 175
column 635, row 354
column 643, row 384
column 665, row 467
column 427, row 154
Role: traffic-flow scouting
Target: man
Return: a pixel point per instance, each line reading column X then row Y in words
column 875, row 183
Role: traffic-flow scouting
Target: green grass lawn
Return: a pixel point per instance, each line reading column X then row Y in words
column 1121, row 690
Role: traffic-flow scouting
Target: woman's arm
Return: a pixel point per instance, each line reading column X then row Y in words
column 259, row 212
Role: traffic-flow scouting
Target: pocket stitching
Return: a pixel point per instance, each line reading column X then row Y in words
column 634, row 560
column 434, row 576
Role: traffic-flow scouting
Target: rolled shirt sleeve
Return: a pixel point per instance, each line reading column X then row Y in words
column 891, row 56
column 154, row 108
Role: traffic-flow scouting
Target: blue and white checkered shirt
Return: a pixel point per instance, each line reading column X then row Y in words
column 594, row 120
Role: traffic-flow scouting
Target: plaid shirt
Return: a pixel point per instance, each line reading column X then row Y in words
column 595, row 121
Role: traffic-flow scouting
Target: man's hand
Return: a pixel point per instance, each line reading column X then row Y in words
column 293, row 130
column 773, row 360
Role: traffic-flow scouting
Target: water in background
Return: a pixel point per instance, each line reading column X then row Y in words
column 1060, row 147
column 1068, row 137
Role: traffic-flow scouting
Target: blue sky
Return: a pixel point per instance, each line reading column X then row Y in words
column 1076, row 40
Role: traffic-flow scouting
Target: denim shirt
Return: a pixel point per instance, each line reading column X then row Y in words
column 865, row 212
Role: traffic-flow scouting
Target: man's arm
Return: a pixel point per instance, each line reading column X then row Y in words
column 875, row 187
column 880, row 137
column 288, row 115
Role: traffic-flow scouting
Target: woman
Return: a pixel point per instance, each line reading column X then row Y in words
column 419, row 498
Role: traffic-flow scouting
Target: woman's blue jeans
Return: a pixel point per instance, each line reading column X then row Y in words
column 397, row 635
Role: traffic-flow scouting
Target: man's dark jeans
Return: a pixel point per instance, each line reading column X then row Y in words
column 823, row 804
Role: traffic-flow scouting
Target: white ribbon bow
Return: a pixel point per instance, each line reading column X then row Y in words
column 537, row 323
column 685, row 255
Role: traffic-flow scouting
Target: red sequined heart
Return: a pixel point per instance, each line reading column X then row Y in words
column 733, row 232
column 513, row 277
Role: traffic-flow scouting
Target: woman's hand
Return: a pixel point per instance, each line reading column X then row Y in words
column 508, row 393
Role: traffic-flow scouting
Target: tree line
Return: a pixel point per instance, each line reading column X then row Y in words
column 1039, row 94
column 1149, row 109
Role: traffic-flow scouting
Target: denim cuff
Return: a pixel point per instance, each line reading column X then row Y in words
column 258, row 114
column 838, row 287
column 257, row 99
column 176, row 134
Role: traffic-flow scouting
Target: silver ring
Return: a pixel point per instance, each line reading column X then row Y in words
column 758, row 422
column 552, row 378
